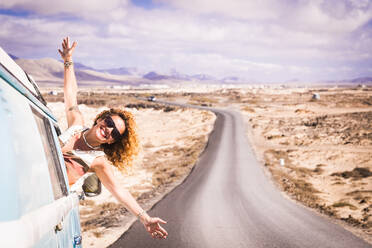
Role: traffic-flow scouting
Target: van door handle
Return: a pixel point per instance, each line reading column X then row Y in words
column 59, row 227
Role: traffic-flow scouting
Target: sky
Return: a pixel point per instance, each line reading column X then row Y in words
column 255, row 40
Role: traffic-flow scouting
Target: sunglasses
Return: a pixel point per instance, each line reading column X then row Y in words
column 115, row 132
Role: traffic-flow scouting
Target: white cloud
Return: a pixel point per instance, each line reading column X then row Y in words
column 252, row 39
column 308, row 15
column 34, row 38
column 330, row 17
column 88, row 9
column 221, row 66
column 253, row 9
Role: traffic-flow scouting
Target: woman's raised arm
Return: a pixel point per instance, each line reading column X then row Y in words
column 74, row 116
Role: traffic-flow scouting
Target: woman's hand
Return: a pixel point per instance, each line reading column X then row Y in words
column 152, row 225
column 67, row 51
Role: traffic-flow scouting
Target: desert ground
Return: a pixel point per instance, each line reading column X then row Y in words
column 317, row 151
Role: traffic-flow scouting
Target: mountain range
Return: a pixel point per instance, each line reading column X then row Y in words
column 49, row 72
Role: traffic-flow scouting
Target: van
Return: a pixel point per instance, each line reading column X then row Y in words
column 38, row 209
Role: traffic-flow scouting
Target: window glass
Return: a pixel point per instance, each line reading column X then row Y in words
column 56, row 175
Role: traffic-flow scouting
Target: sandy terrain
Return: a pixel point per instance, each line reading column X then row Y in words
column 318, row 152
column 171, row 139
column 325, row 146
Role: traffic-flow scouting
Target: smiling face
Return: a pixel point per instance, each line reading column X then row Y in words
column 122, row 152
column 105, row 129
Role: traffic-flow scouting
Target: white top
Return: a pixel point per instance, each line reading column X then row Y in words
column 86, row 156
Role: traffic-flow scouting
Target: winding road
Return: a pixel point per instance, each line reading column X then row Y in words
column 227, row 201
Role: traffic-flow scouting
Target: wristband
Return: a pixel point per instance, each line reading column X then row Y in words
column 141, row 213
column 67, row 64
column 75, row 107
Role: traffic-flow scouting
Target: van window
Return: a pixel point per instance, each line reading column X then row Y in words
column 56, row 174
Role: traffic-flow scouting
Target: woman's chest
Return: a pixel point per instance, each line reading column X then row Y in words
column 74, row 143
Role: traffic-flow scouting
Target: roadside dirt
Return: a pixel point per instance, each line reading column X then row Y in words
column 318, row 151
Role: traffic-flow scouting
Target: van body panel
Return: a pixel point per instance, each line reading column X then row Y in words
column 10, row 210
column 34, row 225
column 33, row 178
column 12, row 66
column 48, row 240
column 70, row 229
column 19, row 86
column 31, row 184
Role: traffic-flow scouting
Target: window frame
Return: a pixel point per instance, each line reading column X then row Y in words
column 57, row 175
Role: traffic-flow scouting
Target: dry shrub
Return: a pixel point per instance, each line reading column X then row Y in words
column 298, row 189
column 169, row 109
column 248, row 109
column 104, row 215
column 301, row 171
column 92, row 101
column 304, row 111
column 338, row 183
column 250, row 101
column 365, row 224
column 318, row 170
column 270, row 137
column 357, row 173
column 148, row 145
column 204, row 99
column 97, row 234
column 172, row 170
column 361, row 195
column 315, row 121
column 343, row 204
column 152, row 106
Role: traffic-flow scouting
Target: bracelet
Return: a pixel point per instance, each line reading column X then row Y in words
column 75, row 107
column 67, row 64
column 141, row 213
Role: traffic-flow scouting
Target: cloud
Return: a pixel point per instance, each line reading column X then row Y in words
column 265, row 40
column 38, row 37
column 253, row 10
column 87, row 9
column 335, row 17
column 221, row 66
column 310, row 15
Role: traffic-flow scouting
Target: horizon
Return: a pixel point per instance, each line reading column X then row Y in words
column 222, row 81
column 256, row 41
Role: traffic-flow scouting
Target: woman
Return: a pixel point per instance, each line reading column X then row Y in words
column 111, row 140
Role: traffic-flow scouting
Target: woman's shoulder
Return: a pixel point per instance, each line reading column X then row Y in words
column 70, row 132
column 100, row 163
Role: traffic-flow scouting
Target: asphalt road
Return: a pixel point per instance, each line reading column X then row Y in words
column 227, row 201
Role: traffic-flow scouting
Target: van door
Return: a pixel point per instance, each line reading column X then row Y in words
column 68, row 230
column 39, row 209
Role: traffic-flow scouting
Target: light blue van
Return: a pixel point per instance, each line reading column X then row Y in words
column 37, row 208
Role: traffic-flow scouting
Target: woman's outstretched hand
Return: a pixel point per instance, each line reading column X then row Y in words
column 67, row 51
column 153, row 227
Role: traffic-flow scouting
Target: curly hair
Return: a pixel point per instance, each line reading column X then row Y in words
column 121, row 154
